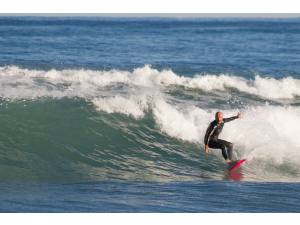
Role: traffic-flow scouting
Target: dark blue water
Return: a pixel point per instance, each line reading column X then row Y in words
column 236, row 46
column 87, row 126
column 150, row 197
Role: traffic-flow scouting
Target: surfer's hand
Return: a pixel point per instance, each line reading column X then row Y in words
column 206, row 149
column 239, row 115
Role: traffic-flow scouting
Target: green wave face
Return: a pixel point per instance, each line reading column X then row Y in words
column 68, row 140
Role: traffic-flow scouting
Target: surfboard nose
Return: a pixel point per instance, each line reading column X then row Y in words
column 236, row 164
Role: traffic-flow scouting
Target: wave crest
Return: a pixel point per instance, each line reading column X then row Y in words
column 18, row 83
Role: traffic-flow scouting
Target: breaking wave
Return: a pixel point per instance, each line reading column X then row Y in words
column 143, row 124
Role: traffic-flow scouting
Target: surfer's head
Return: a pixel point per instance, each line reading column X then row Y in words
column 219, row 116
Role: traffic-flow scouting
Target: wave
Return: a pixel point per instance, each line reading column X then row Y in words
column 70, row 140
column 29, row 84
column 145, row 124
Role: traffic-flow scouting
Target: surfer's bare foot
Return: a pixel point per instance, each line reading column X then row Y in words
column 229, row 161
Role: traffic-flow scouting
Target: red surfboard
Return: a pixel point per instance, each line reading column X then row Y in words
column 236, row 164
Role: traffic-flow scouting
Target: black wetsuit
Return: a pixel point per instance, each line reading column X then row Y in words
column 212, row 137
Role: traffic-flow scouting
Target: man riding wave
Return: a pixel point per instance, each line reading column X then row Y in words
column 211, row 139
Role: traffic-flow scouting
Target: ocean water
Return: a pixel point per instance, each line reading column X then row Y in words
column 109, row 114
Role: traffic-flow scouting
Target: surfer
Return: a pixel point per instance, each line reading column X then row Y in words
column 211, row 139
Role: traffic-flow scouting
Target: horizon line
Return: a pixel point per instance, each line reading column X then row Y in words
column 160, row 15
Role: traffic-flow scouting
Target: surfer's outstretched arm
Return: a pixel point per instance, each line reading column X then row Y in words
column 230, row 119
column 239, row 115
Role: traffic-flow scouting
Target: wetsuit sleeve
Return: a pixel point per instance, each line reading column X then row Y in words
column 208, row 133
column 230, row 119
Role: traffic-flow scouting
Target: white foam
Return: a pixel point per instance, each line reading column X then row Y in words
column 267, row 136
column 268, row 132
column 265, row 132
column 180, row 123
column 132, row 106
column 21, row 83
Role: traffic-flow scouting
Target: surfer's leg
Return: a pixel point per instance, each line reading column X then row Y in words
column 229, row 147
column 229, row 150
column 224, row 153
column 219, row 145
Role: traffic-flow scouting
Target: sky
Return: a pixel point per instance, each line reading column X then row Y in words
column 167, row 15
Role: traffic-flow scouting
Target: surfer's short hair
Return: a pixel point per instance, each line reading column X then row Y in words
column 216, row 115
